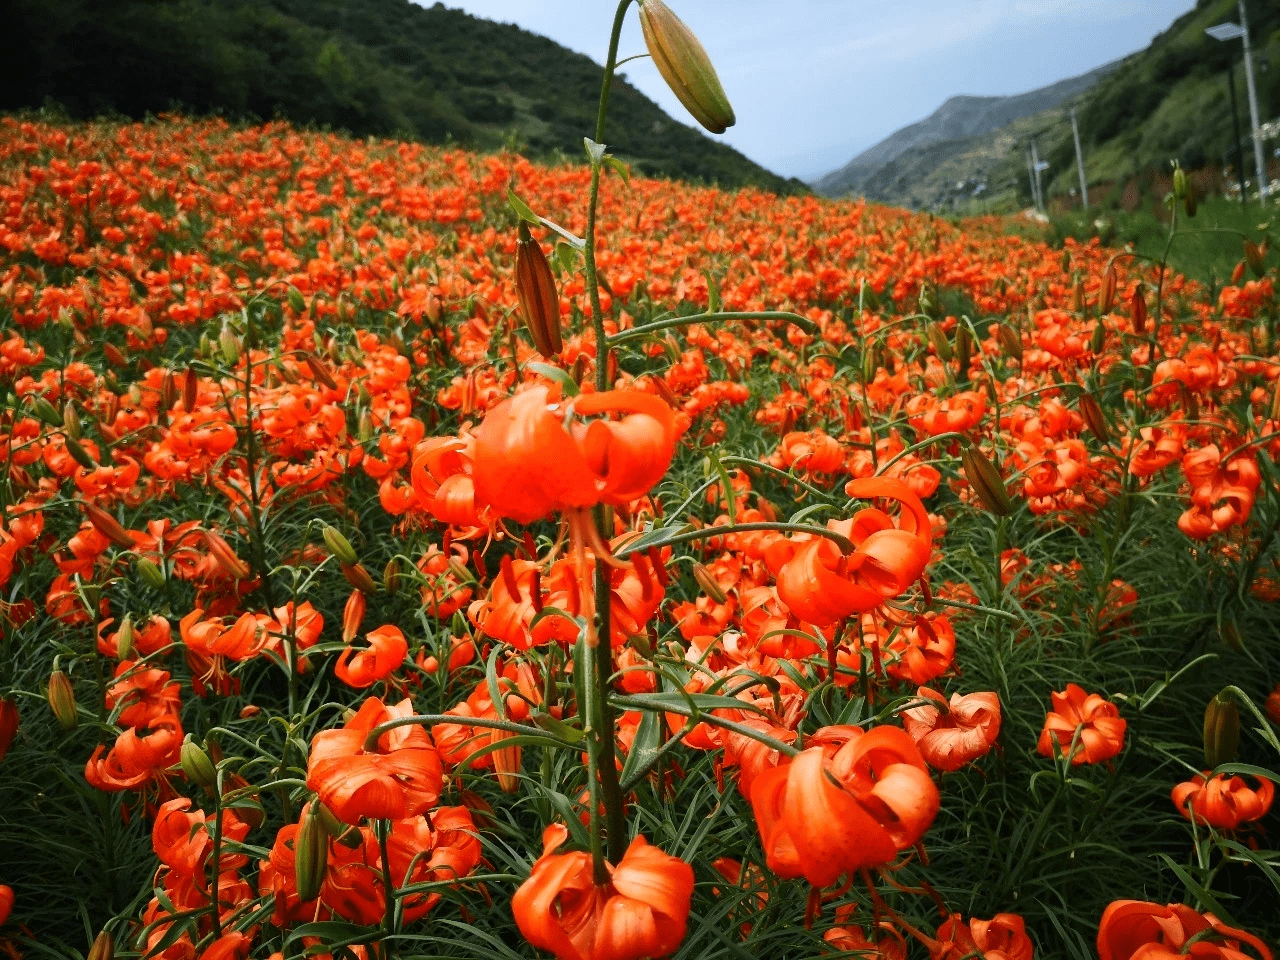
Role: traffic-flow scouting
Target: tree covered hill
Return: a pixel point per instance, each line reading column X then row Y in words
column 372, row 67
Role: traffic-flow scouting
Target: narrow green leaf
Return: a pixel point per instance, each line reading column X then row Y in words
column 521, row 208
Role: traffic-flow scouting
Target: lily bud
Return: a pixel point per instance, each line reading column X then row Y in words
column 78, row 453
column 1077, row 297
column 103, row 948
column 338, row 545
column 221, row 551
column 1221, row 729
column 311, row 853
column 168, row 390
column 684, row 64
column 345, row 834
column 391, row 576
column 71, row 420
column 1099, row 338
column 352, row 615
column 124, row 638
column 8, row 724
column 1091, row 412
column 364, row 428
column 708, row 583
column 1274, row 413
column 107, row 525
column 359, row 577
column 536, row 289
column 196, row 765
column 296, row 302
column 984, row 477
column 114, row 355
column 62, row 700
column 1255, row 256
column 319, row 370
column 1179, row 183
column 1138, row 308
column 506, row 762
column 190, row 389
column 1010, row 342
column 46, row 412
column 151, row 574
column 228, row 345
column 941, row 345
column 1107, row 298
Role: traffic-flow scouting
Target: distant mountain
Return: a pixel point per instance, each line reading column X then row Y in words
column 872, row 173
column 371, row 67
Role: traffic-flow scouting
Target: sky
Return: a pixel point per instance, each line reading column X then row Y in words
column 815, row 82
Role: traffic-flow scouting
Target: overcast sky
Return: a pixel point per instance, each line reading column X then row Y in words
column 815, row 82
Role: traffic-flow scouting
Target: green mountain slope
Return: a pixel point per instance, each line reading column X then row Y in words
column 1172, row 99
column 380, row 67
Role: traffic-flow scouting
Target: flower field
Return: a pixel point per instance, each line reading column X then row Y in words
column 388, row 572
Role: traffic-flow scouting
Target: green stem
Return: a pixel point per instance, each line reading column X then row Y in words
column 808, row 326
column 846, row 545
column 383, row 829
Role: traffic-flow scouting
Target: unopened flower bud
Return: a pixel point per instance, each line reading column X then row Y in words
column 190, row 389
column 124, row 638
column 311, row 853
column 941, row 345
column 338, row 545
column 46, row 412
column 226, row 558
column 1138, row 308
column 62, row 700
column 296, row 302
column 1221, row 729
column 1010, row 342
column 964, row 348
column 320, row 370
column 345, row 834
column 228, row 345
column 391, row 576
column 107, row 525
column 684, row 64
column 359, row 577
column 1107, row 298
column 1099, row 338
column 71, row 420
column 151, row 574
column 708, row 583
column 352, row 615
column 103, row 948
column 984, row 477
column 1091, row 412
column 78, row 453
column 506, row 761
column 196, row 765
column 1255, row 256
column 1179, row 183
column 536, row 289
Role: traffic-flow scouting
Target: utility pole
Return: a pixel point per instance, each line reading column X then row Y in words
column 1084, row 186
column 1031, row 176
column 1259, row 161
column 1235, row 120
column 1035, row 162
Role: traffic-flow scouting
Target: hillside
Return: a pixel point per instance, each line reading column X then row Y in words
column 372, row 67
column 1168, row 101
column 942, row 135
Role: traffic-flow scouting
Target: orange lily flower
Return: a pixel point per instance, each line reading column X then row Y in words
column 821, row 586
column 363, row 668
column 400, row 778
column 1223, row 801
column 527, row 465
column 953, row 734
column 839, row 808
column 1138, row 929
column 1099, row 722
column 640, row 913
column 1003, row 937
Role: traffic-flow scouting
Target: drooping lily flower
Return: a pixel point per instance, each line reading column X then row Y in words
column 953, row 734
column 1223, row 801
column 641, row 912
column 1101, row 728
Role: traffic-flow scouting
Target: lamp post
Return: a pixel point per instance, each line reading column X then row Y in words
column 1258, row 159
column 1225, row 32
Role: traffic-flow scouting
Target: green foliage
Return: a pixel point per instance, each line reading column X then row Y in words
column 373, row 67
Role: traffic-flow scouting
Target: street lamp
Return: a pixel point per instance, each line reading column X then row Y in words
column 1225, row 32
